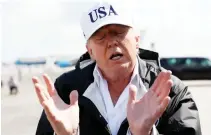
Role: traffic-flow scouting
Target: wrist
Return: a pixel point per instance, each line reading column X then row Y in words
column 74, row 131
column 140, row 131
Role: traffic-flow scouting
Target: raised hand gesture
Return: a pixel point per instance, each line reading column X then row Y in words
column 143, row 113
column 64, row 118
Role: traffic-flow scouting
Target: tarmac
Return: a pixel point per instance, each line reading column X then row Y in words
column 20, row 113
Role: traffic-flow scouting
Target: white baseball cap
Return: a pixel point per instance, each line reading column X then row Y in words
column 104, row 13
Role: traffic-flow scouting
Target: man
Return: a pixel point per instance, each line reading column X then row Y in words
column 119, row 90
column 13, row 86
column 2, row 84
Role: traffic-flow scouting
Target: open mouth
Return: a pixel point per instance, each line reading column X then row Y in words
column 116, row 56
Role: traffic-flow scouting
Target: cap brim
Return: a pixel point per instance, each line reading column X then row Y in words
column 108, row 22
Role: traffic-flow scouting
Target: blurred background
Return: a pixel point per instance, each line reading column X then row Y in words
column 44, row 36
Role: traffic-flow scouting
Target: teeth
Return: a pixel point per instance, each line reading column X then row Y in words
column 116, row 57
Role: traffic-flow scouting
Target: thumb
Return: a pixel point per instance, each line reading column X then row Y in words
column 132, row 94
column 73, row 97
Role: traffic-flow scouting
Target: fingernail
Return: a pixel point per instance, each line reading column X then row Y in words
column 33, row 80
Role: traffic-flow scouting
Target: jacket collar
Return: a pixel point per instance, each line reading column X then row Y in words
column 143, row 54
column 145, row 73
column 148, row 61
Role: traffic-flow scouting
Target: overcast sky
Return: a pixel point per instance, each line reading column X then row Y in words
column 33, row 28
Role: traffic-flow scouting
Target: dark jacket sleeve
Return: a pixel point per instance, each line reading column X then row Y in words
column 181, row 116
column 44, row 127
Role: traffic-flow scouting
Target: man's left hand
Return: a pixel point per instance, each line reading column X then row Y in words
column 143, row 113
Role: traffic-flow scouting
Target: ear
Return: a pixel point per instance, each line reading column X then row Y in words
column 89, row 50
column 137, row 38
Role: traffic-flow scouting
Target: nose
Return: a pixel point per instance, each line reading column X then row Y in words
column 112, row 42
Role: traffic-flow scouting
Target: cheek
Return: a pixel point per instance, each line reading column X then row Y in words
column 99, row 54
column 130, row 46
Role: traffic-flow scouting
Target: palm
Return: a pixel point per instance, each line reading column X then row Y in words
column 143, row 113
column 146, row 105
column 63, row 117
column 66, row 116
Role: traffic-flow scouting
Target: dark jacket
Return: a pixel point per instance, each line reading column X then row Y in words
column 180, row 118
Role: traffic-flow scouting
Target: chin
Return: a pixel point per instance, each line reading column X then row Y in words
column 121, row 67
column 119, row 70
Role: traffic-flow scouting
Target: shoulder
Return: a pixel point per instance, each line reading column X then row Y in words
column 155, row 68
column 77, row 79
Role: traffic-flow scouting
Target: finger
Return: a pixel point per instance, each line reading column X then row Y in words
column 49, row 112
column 166, row 89
column 38, row 91
column 49, row 84
column 162, row 107
column 132, row 94
column 157, row 81
column 74, row 97
column 44, row 91
column 162, row 83
column 40, row 94
column 35, row 80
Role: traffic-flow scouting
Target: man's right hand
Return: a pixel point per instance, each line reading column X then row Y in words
column 63, row 118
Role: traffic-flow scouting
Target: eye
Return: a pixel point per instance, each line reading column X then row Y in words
column 121, row 32
column 100, row 37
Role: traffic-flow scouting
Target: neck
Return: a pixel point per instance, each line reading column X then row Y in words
column 117, row 87
column 118, row 82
